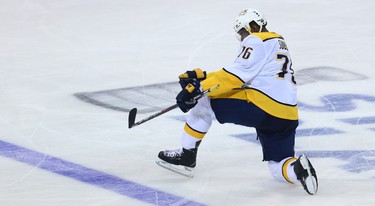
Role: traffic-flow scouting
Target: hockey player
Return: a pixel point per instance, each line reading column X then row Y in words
column 258, row 90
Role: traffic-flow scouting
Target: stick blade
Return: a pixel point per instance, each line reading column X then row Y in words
column 132, row 115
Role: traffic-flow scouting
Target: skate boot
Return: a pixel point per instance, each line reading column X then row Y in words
column 181, row 161
column 306, row 174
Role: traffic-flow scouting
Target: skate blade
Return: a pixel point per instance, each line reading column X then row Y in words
column 182, row 170
column 310, row 181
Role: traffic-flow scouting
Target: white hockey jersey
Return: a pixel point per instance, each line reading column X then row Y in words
column 264, row 66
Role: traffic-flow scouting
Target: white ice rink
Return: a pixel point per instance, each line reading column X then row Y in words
column 56, row 149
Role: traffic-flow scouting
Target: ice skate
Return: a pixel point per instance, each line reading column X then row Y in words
column 306, row 174
column 181, row 161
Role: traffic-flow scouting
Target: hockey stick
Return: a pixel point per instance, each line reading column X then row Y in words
column 133, row 112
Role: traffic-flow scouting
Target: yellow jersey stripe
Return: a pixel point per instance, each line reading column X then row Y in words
column 193, row 132
column 271, row 106
column 263, row 101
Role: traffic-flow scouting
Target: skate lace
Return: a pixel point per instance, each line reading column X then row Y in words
column 173, row 153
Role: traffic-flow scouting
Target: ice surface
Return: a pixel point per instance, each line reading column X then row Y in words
column 58, row 150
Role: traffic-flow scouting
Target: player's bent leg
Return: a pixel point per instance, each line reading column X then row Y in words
column 198, row 123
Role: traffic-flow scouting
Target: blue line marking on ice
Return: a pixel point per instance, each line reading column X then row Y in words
column 91, row 176
column 337, row 103
column 356, row 160
column 316, row 131
column 359, row 120
column 252, row 137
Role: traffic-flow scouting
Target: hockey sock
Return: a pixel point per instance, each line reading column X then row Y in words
column 283, row 170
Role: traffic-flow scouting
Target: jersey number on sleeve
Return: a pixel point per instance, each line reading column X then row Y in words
column 287, row 66
column 246, row 52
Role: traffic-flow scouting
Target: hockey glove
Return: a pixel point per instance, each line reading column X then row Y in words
column 185, row 99
column 197, row 73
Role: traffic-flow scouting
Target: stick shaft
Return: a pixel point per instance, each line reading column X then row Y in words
column 131, row 125
column 154, row 115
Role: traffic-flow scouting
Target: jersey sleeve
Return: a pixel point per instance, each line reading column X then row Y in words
column 226, row 81
column 251, row 59
column 246, row 66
